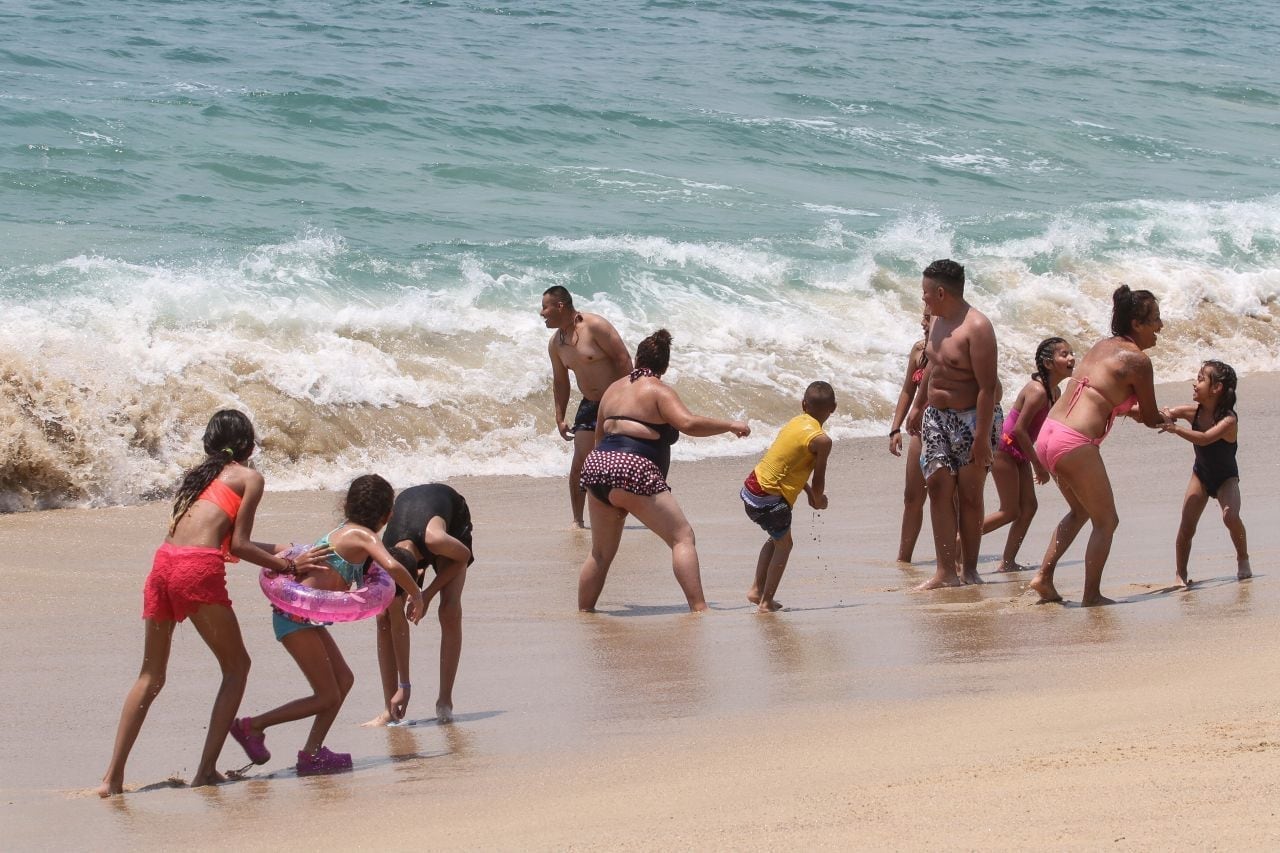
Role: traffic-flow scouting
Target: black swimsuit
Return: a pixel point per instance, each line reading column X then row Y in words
column 1215, row 463
column 417, row 505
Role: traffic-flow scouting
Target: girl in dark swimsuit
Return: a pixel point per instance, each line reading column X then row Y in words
column 640, row 418
column 1213, row 430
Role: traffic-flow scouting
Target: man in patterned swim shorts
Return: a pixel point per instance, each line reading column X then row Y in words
column 961, row 388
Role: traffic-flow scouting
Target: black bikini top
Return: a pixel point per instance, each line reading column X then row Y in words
column 667, row 434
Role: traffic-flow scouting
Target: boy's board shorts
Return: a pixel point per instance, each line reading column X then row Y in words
column 182, row 580
column 771, row 512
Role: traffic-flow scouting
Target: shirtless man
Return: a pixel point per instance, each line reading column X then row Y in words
column 588, row 345
column 957, row 429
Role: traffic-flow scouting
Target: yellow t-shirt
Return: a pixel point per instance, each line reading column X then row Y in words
column 787, row 465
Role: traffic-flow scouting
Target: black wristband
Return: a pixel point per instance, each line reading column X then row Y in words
column 894, row 432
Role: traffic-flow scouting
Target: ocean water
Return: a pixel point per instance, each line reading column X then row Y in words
column 341, row 217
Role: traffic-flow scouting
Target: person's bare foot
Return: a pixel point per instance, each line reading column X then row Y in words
column 1006, row 568
column 1243, row 570
column 936, row 582
column 111, row 788
column 1182, row 580
column 972, row 577
column 1044, row 589
column 1096, row 601
column 754, row 596
column 213, row 777
column 379, row 721
column 444, row 713
column 578, row 525
column 769, row 607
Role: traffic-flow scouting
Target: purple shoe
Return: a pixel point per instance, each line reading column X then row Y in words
column 323, row 762
column 255, row 746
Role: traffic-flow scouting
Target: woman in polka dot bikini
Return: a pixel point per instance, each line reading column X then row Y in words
column 639, row 419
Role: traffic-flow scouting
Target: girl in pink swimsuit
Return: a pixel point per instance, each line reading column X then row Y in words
column 1068, row 444
column 1012, row 465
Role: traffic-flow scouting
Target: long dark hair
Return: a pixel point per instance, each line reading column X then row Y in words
column 1129, row 307
column 1044, row 363
column 654, row 352
column 228, row 438
column 369, row 500
column 1221, row 372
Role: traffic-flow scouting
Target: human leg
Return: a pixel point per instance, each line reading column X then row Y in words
column 450, row 615
column 218, row 627
column 762, row 571
column 969, row 486
column 583, row 441
column 157, row 641
column 1063, row 535
column 1027, row 507
column 1004, row 472
column 942, row 513
column 393, row 662
column 311, row 649
column 913, row 497
column 606, row 535
column 661, row 513
column 1229, row 500
column 1193, row 504
column 777, row 565
column 1086, row 475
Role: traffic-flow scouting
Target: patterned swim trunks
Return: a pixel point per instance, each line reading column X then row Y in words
column 947, row 438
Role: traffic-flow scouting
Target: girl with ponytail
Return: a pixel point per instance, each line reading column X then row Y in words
column 211, row 523
column 1214, row 429
column 1015, row 457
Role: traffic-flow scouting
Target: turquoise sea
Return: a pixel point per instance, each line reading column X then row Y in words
column 340, row 217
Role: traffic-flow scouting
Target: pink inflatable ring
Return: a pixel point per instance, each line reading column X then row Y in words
column 322, row 605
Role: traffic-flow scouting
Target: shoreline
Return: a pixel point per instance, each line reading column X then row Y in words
column 836, row 721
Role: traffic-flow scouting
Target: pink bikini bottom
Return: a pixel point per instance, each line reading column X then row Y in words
column 1056, row 440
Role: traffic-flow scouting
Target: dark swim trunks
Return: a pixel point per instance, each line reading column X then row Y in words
column 947, row 436
column 585, row 419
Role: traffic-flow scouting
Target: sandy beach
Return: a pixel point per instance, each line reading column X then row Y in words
column 864, row 715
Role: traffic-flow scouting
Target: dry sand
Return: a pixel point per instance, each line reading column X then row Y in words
column 864, row 715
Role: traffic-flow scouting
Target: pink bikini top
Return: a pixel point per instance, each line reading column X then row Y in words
column 1083, row 383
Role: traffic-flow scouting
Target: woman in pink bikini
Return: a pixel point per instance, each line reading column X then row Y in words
column 1114, row 376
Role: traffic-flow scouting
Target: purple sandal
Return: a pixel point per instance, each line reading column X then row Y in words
column 255, row 746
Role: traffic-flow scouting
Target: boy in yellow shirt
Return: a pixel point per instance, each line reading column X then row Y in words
column 771, row 489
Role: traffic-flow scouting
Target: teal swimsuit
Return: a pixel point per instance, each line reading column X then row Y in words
column 352, row 573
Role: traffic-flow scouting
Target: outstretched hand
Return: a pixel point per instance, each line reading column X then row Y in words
column 740, row 429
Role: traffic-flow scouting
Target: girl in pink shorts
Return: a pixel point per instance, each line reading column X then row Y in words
column 211, row 524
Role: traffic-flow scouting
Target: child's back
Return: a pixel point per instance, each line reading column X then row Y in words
column 786, row 466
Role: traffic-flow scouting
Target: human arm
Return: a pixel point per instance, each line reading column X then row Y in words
column 674, row 412
column 608, row 339
column 1144, row 388
column 440, row 543
column 905, row 398
column 915, row 417
column 559, row 389
column 243, row 546
column 982, row 359
column 413, row 593
column 1034, row 401
column 816, row 489
column 1176, row 413
column 1225, row 428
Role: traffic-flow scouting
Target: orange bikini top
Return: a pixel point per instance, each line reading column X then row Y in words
column 225, row 498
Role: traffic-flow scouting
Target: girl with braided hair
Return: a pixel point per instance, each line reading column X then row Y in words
column 1214, row 428
column 211, row 524
column 1015, row 459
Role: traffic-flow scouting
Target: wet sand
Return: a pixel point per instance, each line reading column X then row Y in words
column 863, row 715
